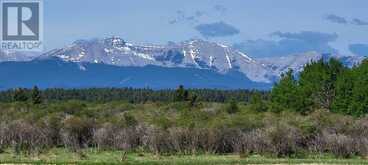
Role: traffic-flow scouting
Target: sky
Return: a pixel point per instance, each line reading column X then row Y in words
column 261, row 28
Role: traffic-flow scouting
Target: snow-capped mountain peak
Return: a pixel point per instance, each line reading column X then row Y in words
column 195, row 53
column 113, row 51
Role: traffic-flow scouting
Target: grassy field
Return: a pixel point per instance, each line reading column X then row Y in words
column 61, row 156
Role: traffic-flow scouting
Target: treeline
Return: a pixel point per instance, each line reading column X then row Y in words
column 126, row 94
column 324, row 85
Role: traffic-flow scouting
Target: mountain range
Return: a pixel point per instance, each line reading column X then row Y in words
column 113, row 62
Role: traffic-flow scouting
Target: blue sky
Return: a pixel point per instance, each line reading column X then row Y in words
column 280, row 27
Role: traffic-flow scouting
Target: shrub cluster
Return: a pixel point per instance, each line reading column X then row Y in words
column 180, row 129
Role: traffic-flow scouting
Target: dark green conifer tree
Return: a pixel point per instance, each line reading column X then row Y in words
column 257, row 103
column 181, row 94
column 359, row 100
column 232, row 107
column 36, row 96
column 317, row 84
column 285, row 93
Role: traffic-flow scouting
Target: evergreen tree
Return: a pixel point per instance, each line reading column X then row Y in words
column 232, row 107
column 284, row 94
column 193, row 100
column 328, row 93
column 343, row 93
column 359, row 99
column 257, row 104
column 317, row 84
column 181, row 94
column 36, row 96
column 186, row 95
column 313, row 81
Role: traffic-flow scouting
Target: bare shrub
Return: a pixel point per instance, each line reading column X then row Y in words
column 125, row 139
column 208, row 139
column 102, row 137
column 4, row 138
column 188, row 140
column 361, row 146
column 255, row 141
column 77, row 133
column 110, row 136
column 24, row 136
column 156, row 140
column 183, row 140
column 339, row 144
column 53, row 123
column 359, row 132
column 360, row 128
column 284, row 138
column 228, row 140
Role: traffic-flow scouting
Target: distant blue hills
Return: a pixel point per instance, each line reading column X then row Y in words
column 55, row 73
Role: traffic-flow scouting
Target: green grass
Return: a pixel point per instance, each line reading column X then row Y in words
column 63, row 156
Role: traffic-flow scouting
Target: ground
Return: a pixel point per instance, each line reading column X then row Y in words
column 63, row 156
